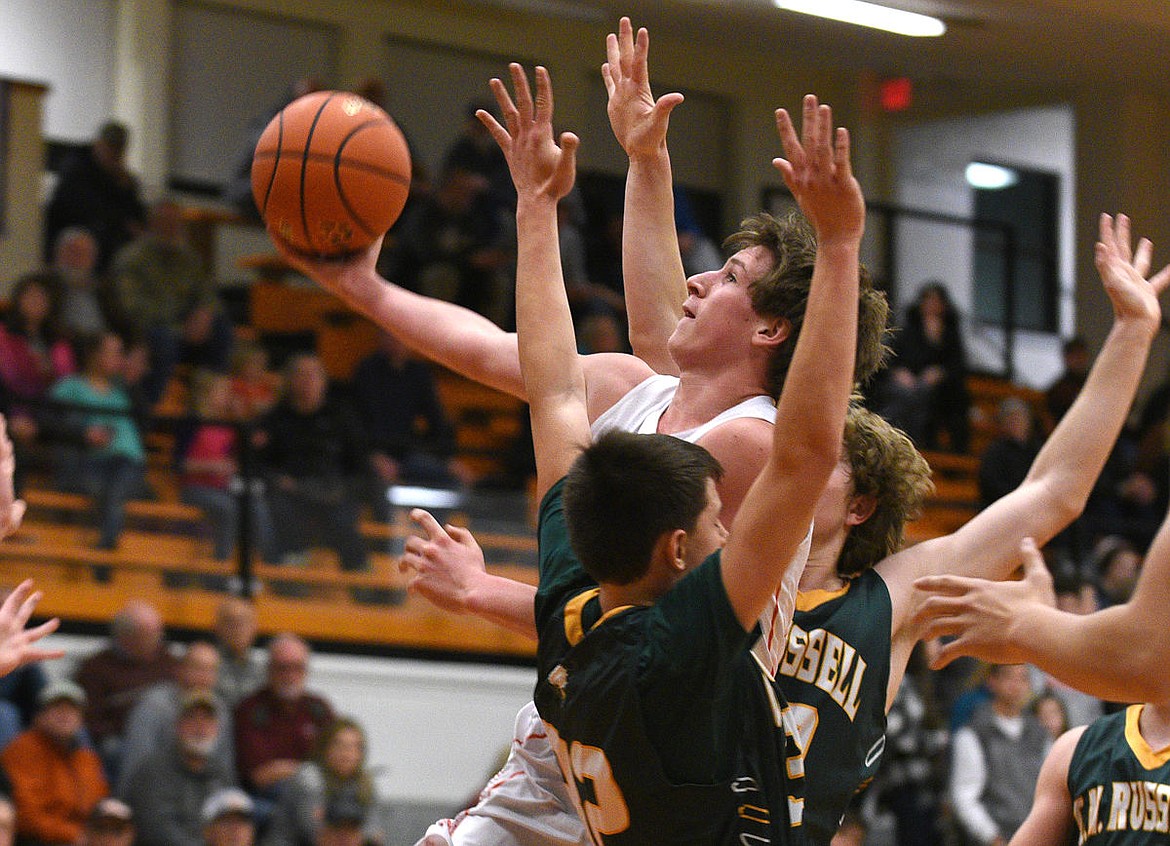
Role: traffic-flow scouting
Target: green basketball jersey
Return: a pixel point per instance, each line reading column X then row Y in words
column 1120, row 787
column 834, row 675
column 666, row 729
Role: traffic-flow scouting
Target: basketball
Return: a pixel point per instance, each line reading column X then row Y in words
column 331, row 173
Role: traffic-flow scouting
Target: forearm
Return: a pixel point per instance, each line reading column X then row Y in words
column 507, row 603
column 652, row 269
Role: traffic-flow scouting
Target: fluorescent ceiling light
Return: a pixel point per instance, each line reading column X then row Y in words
column 868, row 14
column 989, row 177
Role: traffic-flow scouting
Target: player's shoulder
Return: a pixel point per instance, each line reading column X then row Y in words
column 738, row 434
column 610, row 376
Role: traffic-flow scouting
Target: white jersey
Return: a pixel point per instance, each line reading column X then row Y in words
column 527, row 802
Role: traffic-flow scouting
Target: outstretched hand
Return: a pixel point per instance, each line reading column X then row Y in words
column 639, row 121
column 346, row 276
column 1124, row 272
column 983, row 616
column 818, row 172
column 445, row 565
column 16, row 642
column 540, row 168
column 11, row 508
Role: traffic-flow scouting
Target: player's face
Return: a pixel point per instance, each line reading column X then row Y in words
column 832, row 510
column 718, row 319
column 709, row 534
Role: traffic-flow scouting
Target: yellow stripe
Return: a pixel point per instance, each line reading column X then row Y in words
column 1146, row 756
column 574, row 631
column 807, row 600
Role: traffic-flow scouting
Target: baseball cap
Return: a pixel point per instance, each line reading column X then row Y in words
column 59, row 689
column 111, row 810
column 230, row 800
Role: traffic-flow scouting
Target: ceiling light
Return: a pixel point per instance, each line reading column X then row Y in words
column 868, row 14
column 989, row 177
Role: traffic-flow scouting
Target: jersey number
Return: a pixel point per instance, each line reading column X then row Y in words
column 596, row 795
column 801, row 724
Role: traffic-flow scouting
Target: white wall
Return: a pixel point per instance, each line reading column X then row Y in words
column 68, row 45
column 930, row 162
column 436, row 730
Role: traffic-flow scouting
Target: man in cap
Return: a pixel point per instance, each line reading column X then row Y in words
column 110, row 824
column 169, row 787
column 56, row 782
column 228, row 819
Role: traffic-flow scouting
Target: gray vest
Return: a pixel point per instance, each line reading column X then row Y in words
column 1012, row 766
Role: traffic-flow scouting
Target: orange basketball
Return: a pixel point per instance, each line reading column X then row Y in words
column 331, row 173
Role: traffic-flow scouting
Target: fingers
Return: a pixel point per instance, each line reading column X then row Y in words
column 1142, row 256
column 640, row 72
column 947, row 653
column 544, row 95
column 626, row 46
column 842, row 157
column 48, row 627
column 16, row 598
column 946, row 585
column 522, row 91
column 607, row 78
column 1160, row 280
column 426, row 521
column 1121, row 238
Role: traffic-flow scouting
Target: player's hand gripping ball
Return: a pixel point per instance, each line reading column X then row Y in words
column 331, row 173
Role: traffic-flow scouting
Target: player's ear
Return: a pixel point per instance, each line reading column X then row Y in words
column 861, row 508
column 677, row 549
column 772, row 331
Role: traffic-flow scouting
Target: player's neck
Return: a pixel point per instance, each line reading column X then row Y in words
column 701, row 396
column 820, row 572
column 619, row 596
column 1155, row 725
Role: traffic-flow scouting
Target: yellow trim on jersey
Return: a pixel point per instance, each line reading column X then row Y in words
column 1146, row 756
column 574, row 631
column 807, row 600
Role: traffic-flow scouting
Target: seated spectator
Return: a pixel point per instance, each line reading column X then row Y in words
column 996, row 760
column 86, row 308
column 474, row 151
column 110, row 824
column 1063, row 392
column 56, row 781
column 924, row 391
column 151, row 724
column 314, row 459
column 1117, row 564
column 241, row 671
column 336, row 777
column 210, row 469
column 228, row 818
column 170, row 785
column 277, row 727
column 1007, row 459
column 117, row 676
column 255, row 388
column 111, row 463
column 409, row 433
column 169, row 299
column 97, row 191
column 1049, row 709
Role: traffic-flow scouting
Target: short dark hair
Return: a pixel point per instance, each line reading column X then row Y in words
column 783, row 292
column 625, row 491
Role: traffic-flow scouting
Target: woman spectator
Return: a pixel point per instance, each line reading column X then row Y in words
column 337, row 772
column 925, row 391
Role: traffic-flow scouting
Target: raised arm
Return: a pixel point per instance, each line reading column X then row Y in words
column 810, row 420
column 655, row 282
column 1062, row 476
column 543, row 173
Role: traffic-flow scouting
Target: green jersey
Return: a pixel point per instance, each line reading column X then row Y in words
column 834, row 675
column 665, row 727
column 1120, row 787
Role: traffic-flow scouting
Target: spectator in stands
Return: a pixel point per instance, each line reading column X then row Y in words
column 277, row 727
column 410, row 435
column 255, row 388
column 1049, row 709
column 1117, row 564
column 85, row 306
column 454, row 247
column 170, row 299
column 210, row 467
column 19, row 692
column 116, row 677
column 336, row 777
column 151, row 724
column 97, row 190
column 169, row 787
column 110, row 824
column 996, row 760
column 345, row 823
column 1063, row 392
column 228, row 818
column 56, row 780
column 474, row 151
column 1007, row 459
column 924, row 392
column 314, row 457
column 110, row 465
column 241, row 672
column 601, row 332
column 1076, row 596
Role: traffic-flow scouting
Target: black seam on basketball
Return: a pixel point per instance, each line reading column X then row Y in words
column 275, row 162
column 356, row 164
column 305, row 168
column 338, row 160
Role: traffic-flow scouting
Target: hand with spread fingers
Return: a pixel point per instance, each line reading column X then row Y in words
column 639, row 121
column 17, row 643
